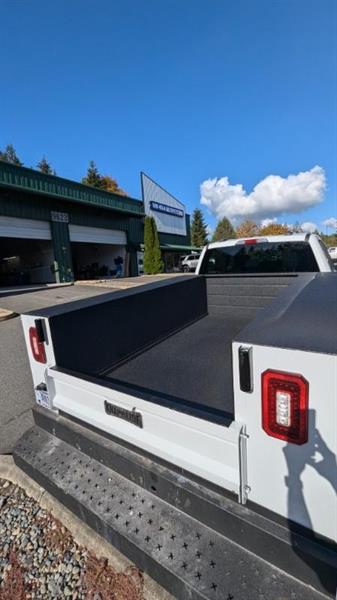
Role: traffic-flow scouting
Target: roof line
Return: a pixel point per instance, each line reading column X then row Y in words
column 66, row 180
column 32, row 181
column 161, row 187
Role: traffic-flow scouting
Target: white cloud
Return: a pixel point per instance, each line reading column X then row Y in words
column 332, row 222
column 266, row 222
column 274, row 195
column 309, row 227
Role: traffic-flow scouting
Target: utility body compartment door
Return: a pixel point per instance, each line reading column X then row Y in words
column 298, row 482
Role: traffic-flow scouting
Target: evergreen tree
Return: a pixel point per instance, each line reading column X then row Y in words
column 92, row 177
column 223, row 231
column 9, row 155
column 152, row 256
column 45, row 167
column 148, row 245
column 158, row 264
column 198, row 229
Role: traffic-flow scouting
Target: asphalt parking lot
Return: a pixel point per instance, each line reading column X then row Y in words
column 16, row 389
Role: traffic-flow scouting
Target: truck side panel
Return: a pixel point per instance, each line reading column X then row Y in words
column 298, row 482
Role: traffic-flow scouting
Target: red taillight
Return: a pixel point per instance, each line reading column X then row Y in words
column 285, row 406
column 37, row 347
column 251, row 241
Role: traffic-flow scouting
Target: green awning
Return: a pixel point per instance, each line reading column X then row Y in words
column 175, row 248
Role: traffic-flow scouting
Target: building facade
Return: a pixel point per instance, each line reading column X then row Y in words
column 56, row 230
column 173, row 223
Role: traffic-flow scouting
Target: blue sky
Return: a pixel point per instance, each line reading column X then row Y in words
column 185, row 90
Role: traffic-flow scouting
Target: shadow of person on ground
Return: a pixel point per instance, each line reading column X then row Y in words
column 316, row 454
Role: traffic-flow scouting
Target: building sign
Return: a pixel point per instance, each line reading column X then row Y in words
column 167, row 211
column 164, row 208
column 59, row 217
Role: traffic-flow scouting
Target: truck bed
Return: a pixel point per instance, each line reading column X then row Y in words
column 169, row 342
column 192, row 367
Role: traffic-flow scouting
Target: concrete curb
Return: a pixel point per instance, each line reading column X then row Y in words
column 7, row 314
column 81, row 533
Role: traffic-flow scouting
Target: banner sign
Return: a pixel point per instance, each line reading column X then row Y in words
column 164, row 208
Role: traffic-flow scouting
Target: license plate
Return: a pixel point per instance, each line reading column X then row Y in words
column 42, row 398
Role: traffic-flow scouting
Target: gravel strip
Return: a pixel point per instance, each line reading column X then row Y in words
column 39, row 558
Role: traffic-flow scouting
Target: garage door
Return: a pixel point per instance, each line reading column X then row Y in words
column 12, row 227
column 96, row 235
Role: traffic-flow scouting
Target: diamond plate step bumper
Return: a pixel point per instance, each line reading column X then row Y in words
column 190, row 559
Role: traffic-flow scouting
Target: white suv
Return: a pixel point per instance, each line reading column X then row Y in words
column 333, row 253
column 189, row 263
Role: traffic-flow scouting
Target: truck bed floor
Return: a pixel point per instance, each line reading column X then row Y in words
column 192, row 367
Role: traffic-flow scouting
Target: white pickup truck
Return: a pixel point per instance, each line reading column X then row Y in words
column 193, row 421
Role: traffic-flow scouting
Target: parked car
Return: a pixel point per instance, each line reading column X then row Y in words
column 192, row 421
column 333, row 253
column 189, row 263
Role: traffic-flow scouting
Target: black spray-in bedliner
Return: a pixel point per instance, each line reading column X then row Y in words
column 193, row 366
column 168, row 343
column 192, row 369
column 92, row 337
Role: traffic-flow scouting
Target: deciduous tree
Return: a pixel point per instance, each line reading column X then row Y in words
column 247, row 228
column 102, row 182
column 110, row 185
column 223, row 231
column 198, row 229
column 275, row 229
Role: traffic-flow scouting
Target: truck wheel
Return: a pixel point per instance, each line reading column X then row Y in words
column 186, row 269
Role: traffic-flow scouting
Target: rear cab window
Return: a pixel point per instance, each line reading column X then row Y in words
column 260, row 257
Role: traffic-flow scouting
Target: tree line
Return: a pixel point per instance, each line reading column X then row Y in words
column 93, row 177
column 199, row 235
column 225, row 230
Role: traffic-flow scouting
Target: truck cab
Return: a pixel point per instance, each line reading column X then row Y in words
column 295, row 253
